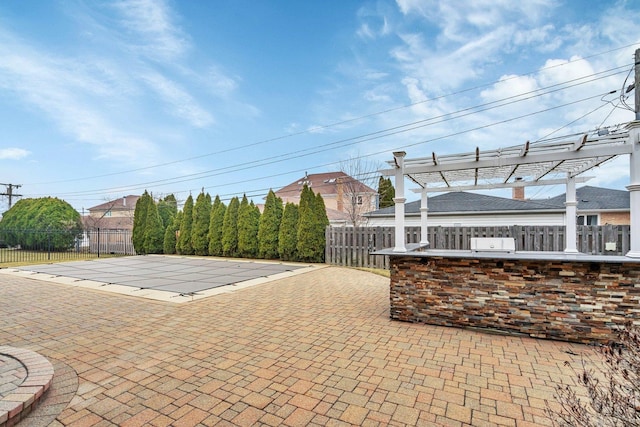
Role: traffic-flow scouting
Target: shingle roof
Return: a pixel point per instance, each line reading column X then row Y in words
column 323, row 183
column 589, row 198
column 597, row 198
column 121, row 203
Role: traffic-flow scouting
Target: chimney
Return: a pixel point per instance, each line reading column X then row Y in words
column 340, row 196
column 518, row 192
column 124, row 201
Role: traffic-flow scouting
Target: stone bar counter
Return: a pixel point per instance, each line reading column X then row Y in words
column 570, row 297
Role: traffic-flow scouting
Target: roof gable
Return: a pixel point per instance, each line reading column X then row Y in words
column 325, row 184
column 122, row 203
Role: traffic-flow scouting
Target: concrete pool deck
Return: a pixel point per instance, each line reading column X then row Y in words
column 309, row 349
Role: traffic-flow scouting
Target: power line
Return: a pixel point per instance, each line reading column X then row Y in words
column 458, row 133
column 370, row 136
column 343, row 122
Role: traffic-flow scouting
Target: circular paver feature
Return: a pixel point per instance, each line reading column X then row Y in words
column 12, row 374
column 29, row 376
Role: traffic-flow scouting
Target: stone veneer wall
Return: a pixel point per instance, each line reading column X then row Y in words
column 563, row 300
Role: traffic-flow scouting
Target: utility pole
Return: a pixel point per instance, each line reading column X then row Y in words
column 637, row 83
column 9, row 193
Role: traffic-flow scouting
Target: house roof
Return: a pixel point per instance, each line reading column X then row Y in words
column 122, row 203
column 597, row 198
column 589, row 198
column 323, row 183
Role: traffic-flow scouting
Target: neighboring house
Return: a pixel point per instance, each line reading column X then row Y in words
column 112, row 215
column 345, row 198
column 596, row 206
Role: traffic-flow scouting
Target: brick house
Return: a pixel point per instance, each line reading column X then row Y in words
column 115, row 214
column 346, row 199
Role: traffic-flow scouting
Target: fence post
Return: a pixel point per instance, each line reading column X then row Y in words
column 98, row 242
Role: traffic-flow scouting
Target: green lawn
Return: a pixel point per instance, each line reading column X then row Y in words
column 18, row 258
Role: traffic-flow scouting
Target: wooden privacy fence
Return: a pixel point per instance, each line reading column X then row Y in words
column 351, row 246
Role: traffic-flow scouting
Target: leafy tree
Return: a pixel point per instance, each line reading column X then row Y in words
column 269, row 227
column 154, row 231
column 170, row 239
column 215, row 227
column 248, row 224
column 310, row 241
column 167, row 208
column 60, row 223
column 184, row 239
column 139, row 222
column 288, row 234
column 200, row 228
column 386, row 193
column 230, row 229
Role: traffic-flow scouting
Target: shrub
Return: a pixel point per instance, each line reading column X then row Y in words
column 154, row 232
column 139, row 222
column 248, row 223
column 59, row 221
column 230, row 229
column 269, row 227
column 215, row 227
column 200, row 228
column 170, row 239
column 613, row 391
column 288, row 234
column 184, row 246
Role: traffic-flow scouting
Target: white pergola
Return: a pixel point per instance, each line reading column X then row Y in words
column 520, row 166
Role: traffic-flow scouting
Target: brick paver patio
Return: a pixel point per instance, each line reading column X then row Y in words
column 313, row 349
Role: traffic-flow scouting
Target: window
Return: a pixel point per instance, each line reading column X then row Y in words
column 587, row 220
column 356, row 200
column 107, row 214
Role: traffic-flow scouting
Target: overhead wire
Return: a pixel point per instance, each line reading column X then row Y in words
column 342, row 122
column 369, row 136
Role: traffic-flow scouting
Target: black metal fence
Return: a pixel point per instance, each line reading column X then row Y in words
column 43, row 246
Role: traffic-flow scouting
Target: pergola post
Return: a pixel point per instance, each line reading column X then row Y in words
column 634, row 189
column 424, row 223
column 399, row 201
column 571, row 211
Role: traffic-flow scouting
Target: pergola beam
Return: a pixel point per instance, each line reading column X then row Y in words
column 579, row 180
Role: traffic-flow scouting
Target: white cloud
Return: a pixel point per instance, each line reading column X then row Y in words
column 153, row 32
column 69, row 95
column 12, row 153
column 183, row 105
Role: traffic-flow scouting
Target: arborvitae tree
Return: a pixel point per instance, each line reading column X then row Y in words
column 248, row 223
column 170, row 240
column 269, row 227
column 230, row 229
column 153, row 232
column 139, row 222
column 247, row 229
column 386, row 193
column 167, row 208
column 200, row 227
column 184, row 240
column 322, row 221
column 215, row 227
column 311, row 227
column 306, row 224
column 288, row 234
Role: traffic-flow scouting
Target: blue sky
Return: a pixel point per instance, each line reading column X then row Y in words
column 103, row 99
